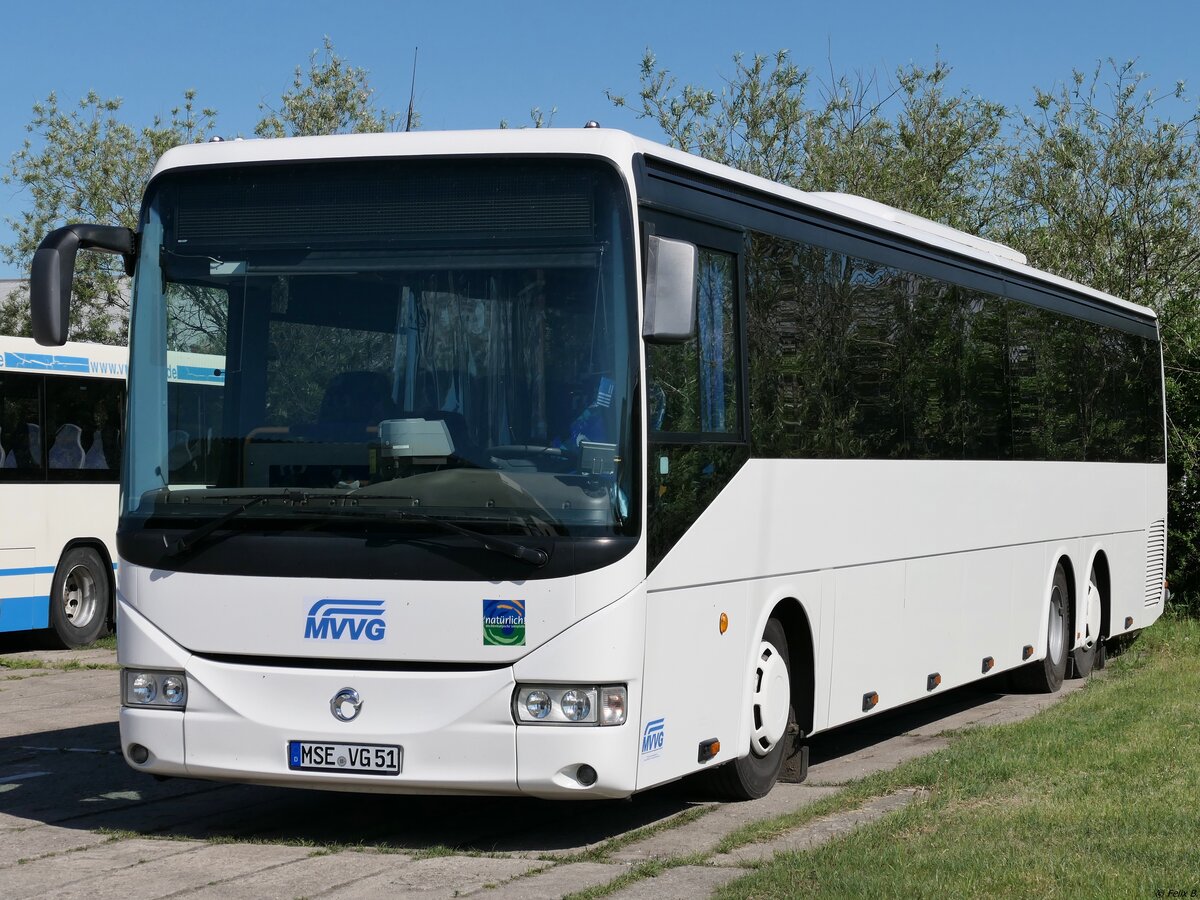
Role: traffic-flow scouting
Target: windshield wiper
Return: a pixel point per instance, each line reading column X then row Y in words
column 533, row 555
column 189, row 540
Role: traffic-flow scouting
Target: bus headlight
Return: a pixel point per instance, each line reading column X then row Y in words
column 162, row 690
column 570, row 704
column 576, row 705
column 143, row 689
column 174, row 690
column 537, row 704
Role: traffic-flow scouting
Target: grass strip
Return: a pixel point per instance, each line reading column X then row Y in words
column 64, row 665
column 1095, row 796
column 651, row 868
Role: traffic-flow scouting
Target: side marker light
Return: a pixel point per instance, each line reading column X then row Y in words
column 1128, row 622
column 870, row 701
column 708, row 749
column 988, row 663
column 724, row 623
column 1027, row 651
column 934, row 681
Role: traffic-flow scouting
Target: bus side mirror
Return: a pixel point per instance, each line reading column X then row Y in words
column 670, row 314
column 54, row 269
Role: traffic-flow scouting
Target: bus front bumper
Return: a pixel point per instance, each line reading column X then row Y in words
column 454, row 730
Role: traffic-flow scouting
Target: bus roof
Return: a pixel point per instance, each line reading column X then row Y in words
column 620, row 147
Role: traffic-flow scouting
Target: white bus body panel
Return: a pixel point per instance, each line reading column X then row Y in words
column 903, row 568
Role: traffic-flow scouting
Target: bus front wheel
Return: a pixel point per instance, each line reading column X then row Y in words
column 80, row 598
column 753, row 775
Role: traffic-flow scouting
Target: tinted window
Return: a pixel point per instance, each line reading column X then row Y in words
column 693, row 386
column 852, row 358
column 83, row 428
column 20, row 427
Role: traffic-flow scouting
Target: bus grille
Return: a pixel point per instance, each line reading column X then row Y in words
column 1156, row 561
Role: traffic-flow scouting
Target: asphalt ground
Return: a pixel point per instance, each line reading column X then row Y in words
column 76, row 821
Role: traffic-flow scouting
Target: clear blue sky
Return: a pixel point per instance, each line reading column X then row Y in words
column 481, row 62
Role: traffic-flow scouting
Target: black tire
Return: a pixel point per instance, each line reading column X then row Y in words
column 1046, row 675
column 80, row 598
column 1084, row 657
column 752, row 776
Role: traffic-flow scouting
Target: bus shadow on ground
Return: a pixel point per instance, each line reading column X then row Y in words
column 77, row 778
column 21, row 641
column 848, row 739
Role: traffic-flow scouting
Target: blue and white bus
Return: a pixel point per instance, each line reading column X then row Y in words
column 561, row 463
column 62, row 422
column 61, row 428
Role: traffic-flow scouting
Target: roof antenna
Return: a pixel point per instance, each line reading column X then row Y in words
column 412, row 94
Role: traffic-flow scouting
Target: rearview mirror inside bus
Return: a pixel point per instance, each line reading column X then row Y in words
column 54, row 269
column 670, row 291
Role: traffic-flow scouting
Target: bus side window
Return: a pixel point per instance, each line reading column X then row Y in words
column 83, row 421
column 20, row 425
column 693, row 386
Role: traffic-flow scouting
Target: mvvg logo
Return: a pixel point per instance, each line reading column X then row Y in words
column 653, row 738
column 331, row 620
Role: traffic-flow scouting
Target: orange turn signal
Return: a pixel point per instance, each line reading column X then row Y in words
column 724, row 625
column 708, row 749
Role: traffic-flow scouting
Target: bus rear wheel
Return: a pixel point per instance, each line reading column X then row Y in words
column 1046, row 675
column 80, row 598
column 753, row 775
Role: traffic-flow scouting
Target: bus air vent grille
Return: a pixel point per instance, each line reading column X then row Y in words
column 1156, row 561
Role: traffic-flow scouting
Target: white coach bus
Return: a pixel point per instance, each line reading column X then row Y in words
column 561, row 463
column 62, row 418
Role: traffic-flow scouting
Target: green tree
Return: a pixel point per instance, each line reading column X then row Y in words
column 85, row 164
column 332, row 97
column 912, row 144
column 1105, row 190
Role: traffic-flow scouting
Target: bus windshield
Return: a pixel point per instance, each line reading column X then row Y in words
column 385, row 337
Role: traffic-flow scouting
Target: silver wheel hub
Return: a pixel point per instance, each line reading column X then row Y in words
column 1057, row 646
column 79, row 597
column 771, row 700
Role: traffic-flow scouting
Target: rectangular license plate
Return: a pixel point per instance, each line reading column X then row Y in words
column 329, row 756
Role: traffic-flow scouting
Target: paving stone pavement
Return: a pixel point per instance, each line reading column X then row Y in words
column 76, row 822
